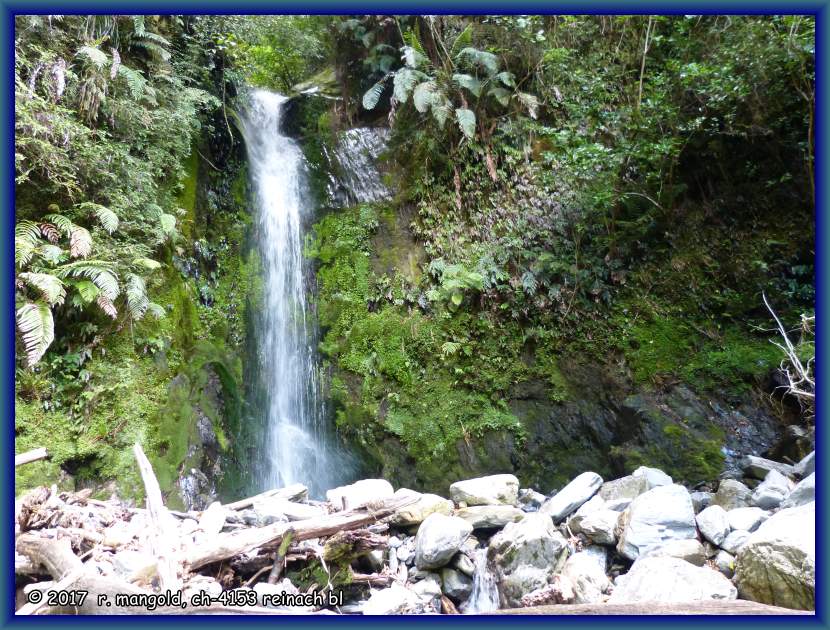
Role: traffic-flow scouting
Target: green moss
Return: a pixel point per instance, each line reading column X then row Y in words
column 186, row 199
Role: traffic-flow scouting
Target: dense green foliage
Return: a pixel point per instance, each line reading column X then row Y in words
column 573, row 194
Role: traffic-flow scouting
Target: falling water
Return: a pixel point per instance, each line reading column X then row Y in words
column 298, row 447
column 485, row 595
column 356, row 178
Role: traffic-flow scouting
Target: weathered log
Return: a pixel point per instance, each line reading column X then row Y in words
column 30, row 456
column 447, row 607
column 162, row 523
column 227, row 545
column 710, row 607
column 372, row 579
column 289, row 493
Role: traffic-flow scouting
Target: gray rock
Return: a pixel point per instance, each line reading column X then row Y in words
column 713, row 523
column 490, row 490
column 456, row 585
column 572, row 496
column 588, row 581
column 525, row 555
column 701, row 500
column 689, row 550
column 774, row 489
column 395, row 600
column 731, row 494
column 599, row 526
column 654, row 477
column 735, row 540
column 665, row 579
column 629, row 487
column 803, row 493
column 439, row 538
column 598, row 554
column 415, row 513
column 489, row 516
column 592, row 505
column 748, row 518
column 758, row 467
column 663, row 513
column 462, row 562
column 806, row 466
column 530, row 500
column 360, row 493
column 777, row 564
column 375, row 559
column 277, row 509
column 428, row 592
column 725, row 562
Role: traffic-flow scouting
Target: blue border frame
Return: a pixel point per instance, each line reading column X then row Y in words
column 8, row 9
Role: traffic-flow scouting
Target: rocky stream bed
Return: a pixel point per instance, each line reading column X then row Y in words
column 637, row 544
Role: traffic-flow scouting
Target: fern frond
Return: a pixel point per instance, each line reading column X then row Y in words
column 97, row 56
column 153, row 48
column 500, row 94
column 87, row 290
column 80, row 242
column 106, row 305
column 134, row 79
column 138, row 25
column 424, row 95
column 466, row 122
column 530, row 102
column 464, row 40
column 469, row 83
column 372, row 95
column 49, row 286
column 405, row 79
column 28, row 231
column 24, row 250
column 156, row 310
column 108, row 219
column 63, row 224
column 50, row 232
column 37, row 329
column 50, row 253
column 137, row 300
column 480, row 58
column 97, row 271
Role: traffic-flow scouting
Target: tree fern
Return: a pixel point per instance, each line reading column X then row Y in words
column 80, row 242
column 50, row 253
column 50, row 287
column 37, row 329
column 137, row 300
column 61, row 222
column 404, row 81
column 480, row 58
column 423, row 95
column 372, row 95
column 28, row 231
column 106, row 305
column 50, row 232
column 134, row 79
column 24, row 250
column 97, row 271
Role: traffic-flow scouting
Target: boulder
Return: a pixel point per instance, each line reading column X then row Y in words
column 212, row 519
column 456, row 585
column 439, row 539
column 747, row 518
column 587, row 579
column 689, row 550
column 490, row 490
column 774, row 489
column 803, row 493
column 666, row 580
column 618, row 505
column 428, row 592
column 462, row 562
column 806, row 466
column 592, row 505
column 731, row 494
column 725, row 562
column 713, row 523
column 277, row 509
column 572, row 496
column 490, row 516
column 599, row 526
column 525, row 555
column 777, row 564
column 359, row 493
column 654, row 477
column 415, row 513
column 598, row 554
column 758, row 467
column 734, row 541
column 628, row 487
column 701, row 500
column 663, row 513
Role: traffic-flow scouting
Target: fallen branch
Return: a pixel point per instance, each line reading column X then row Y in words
column 30, row 456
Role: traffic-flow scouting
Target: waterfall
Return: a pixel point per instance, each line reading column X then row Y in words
column 357, row 179
column 485, row 595
column 297, row 446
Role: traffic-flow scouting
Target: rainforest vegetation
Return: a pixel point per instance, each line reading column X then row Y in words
column 586, row 214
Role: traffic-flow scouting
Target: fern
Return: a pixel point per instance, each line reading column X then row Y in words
column 23, row 252
column 168, row 224
column 404, row 82
column 372, row 95
column 464, row 40
column 108, row 219
column 480, row 58
column 37, row 329
column 500, row 94
column 466, row 122
column 87, row 290
column 80, row 242
column 27, row 231
column 97, row 271
column 61, row 222
column 50, row 253
column 138, row 25
column 441, row 109
column 50, row 232
column 50, row 287
column 107, row 305
column 156, row 310
column 136, row 292
column 97, row 56
column 424, row 95
column 469, row 83
column 134, row 79
column 530, row 102
column 507, row 78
